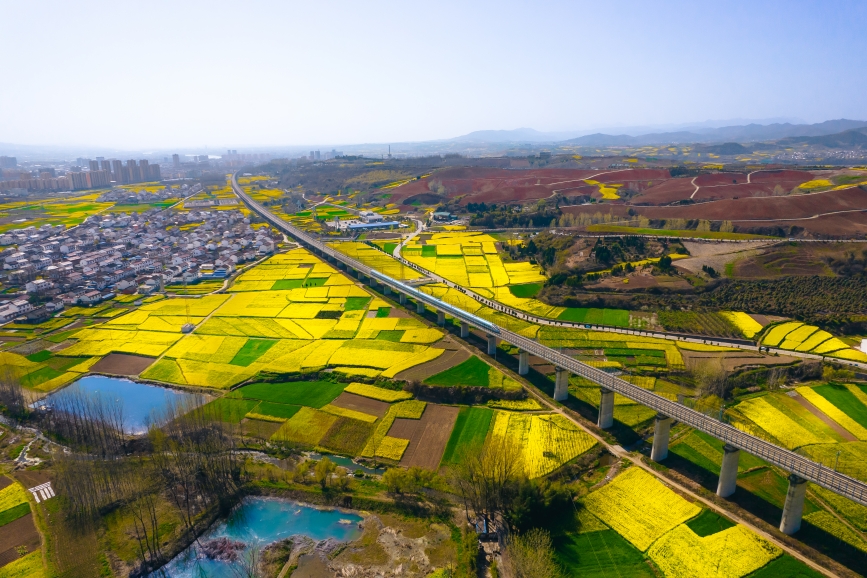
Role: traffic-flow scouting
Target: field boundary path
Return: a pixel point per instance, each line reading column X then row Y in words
column 785, row 459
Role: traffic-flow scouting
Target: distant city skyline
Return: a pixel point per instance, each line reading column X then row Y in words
column 271, row 73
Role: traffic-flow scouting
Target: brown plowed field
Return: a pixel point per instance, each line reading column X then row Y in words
column 619, row 210
column 21, row 532
column 445, row 361
column 122, row 364
column 618, row 175
column 362, row 404
column 427, row 436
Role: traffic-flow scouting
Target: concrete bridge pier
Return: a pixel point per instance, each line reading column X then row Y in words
column 402, row 299
column 441, row 318
column 606, row 409
column 793, row 510
column 419, row 307
column 523, row 363
column 386, row 290
column 561, row 385
column 728, row 476
column 465, row 329
column 661, row 431
column 492, row 344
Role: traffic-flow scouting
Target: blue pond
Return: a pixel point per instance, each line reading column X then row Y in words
column 259, row 522
column 141, row 402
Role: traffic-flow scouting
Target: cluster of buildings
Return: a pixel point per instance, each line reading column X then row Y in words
column 123, row 253
column 367, row 220
column 86, row 174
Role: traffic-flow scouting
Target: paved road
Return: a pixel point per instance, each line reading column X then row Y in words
column 776, row 455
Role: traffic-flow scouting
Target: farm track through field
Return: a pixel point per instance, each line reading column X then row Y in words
column 843, row 432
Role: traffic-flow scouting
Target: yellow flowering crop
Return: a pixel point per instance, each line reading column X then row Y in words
column 834, row 412
column 731, row 553
column 745, row 324
column 786, row 430
column 391, row 448
column 11, row 496
column 546, row 441
column 29, row 566
column 829, row 523
column 350, row 413
column 778, row 332
column 379, row 393
column 639, row 507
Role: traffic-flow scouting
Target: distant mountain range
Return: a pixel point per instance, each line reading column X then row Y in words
column 839, row 133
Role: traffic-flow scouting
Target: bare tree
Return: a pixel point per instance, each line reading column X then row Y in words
column 12, row 394
column 486, row 478
column 710, row 377
column 531, row 555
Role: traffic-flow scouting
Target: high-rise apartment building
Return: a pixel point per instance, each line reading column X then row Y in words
column 105, row 165
column 176, row 161
column 133, row 176
column 144, row 170
column 118, row 172
column 94, row 165
column 8, row 162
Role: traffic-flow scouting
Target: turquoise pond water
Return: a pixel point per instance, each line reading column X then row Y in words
column 141, row 402
column 259, row 522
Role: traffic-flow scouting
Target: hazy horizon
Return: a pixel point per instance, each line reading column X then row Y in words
column 274, row 74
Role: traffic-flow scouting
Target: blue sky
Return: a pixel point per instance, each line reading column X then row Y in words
column 190, row 73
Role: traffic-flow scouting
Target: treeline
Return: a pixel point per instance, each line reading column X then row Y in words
column 821, row 299
column 185, row 468
column 504, row 217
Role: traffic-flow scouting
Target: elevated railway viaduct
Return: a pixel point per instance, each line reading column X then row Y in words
column 801, row 469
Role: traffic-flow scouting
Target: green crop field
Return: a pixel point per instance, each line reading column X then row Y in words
column 706, row 452
column 709, row 522
column 785, row 567
column 251, row 351
column 601, row 554
column 347, row 436
column 689, row 233
column 471, row 428
column 845, row 401
column 472, row 372
column 356, row 303
column 310, row 393
column 231, row 410
column 593, row 316
column 14, row 513
column 39, row 356
column 525, row 291
column 284, row 284
column 276, row 409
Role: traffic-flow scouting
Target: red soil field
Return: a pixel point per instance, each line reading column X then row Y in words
column 720, row 179
column 769, row 208
column 666, row 192
column 618, row 175
column 840, row 225
column 781, row 175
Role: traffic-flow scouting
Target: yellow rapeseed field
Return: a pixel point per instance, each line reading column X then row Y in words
column 639, row 507
column 746, row 324
column 834, row 412
column 731, row 553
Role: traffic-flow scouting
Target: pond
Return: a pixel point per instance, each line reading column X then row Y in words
column 259, row 522
column 140, row 402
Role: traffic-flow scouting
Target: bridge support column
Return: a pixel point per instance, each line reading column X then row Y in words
column 402, row 299
column 561, row 385
column 728, row 475
column 386, row 290
column 465, row 329
column 606, row 409
column 794, row 507
column 419, row 307
column 661, row 431
column 523, row 363
column 492, row 344
column 441, row 318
